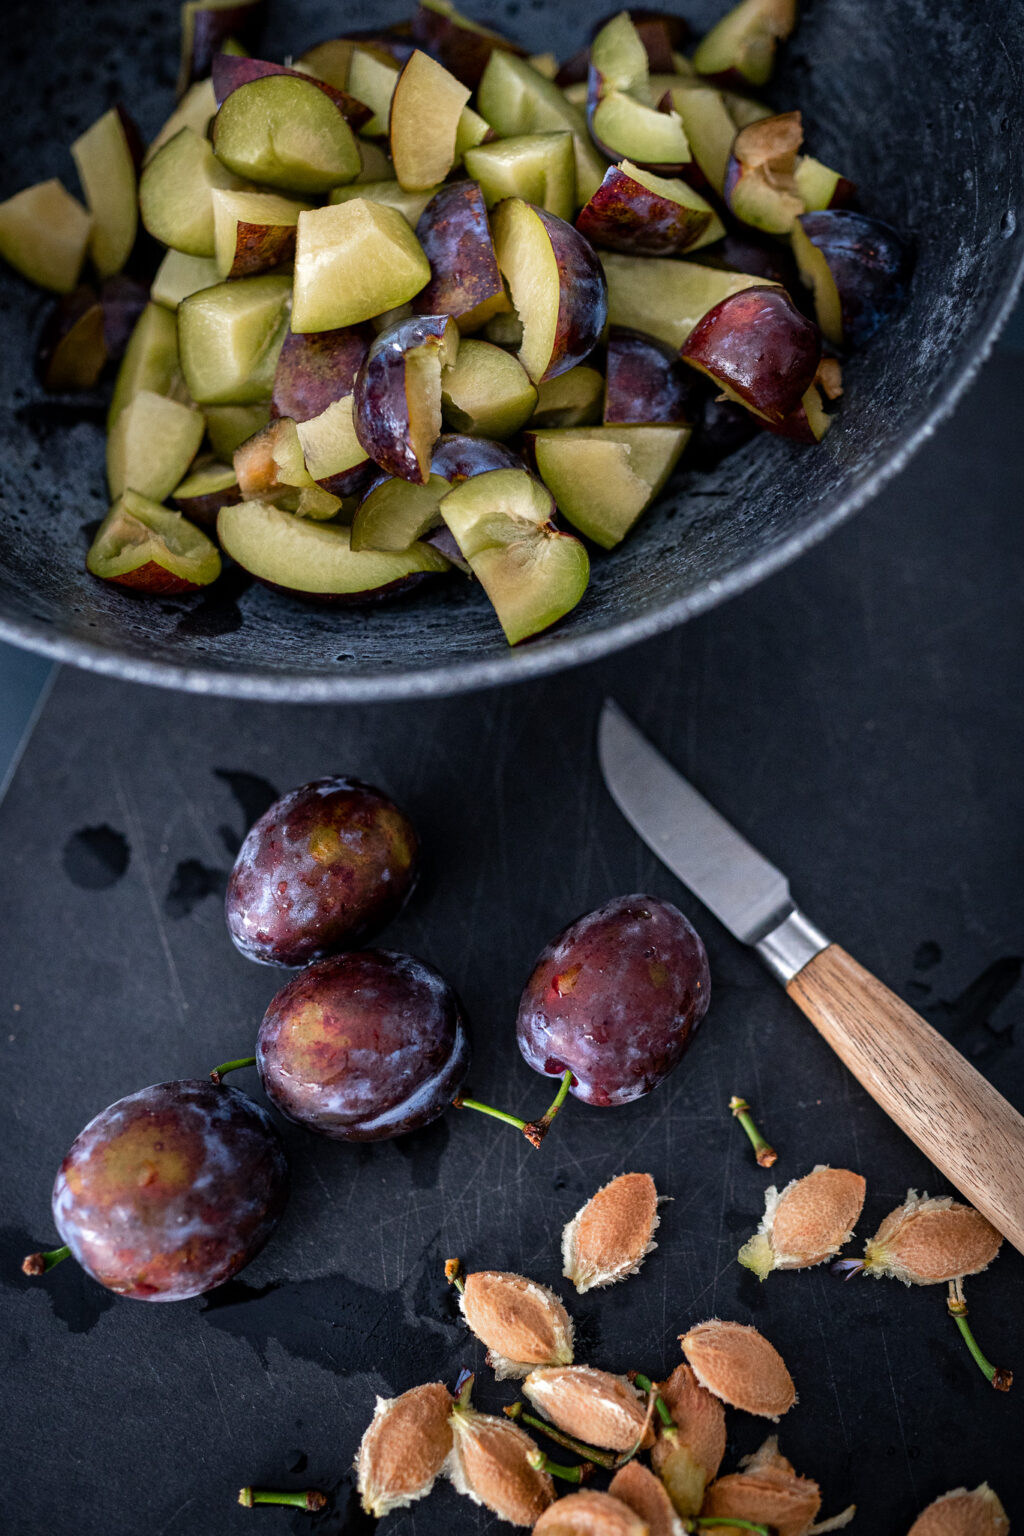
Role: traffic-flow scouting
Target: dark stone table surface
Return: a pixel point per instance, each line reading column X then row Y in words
column 861, row 718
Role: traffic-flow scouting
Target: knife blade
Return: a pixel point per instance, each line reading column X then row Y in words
column 923, row 1083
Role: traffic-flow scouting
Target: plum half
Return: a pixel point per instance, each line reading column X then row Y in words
column 533, row 574
column 455, row 235
column 286, row 132
column 557, row 287
column 604, row 478
column 665, row 298
column 315, row 561
column 106, row 157
column 324, row 869
column 759, row 349
column 425, row 111
column 364, row 1046
column 398, row 394
column 740, row 49
column 857, row 268
column 635, row 211
column 171, row 1191
column 143, row 546
column 615, row 999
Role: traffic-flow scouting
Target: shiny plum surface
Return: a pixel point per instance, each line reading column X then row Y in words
column 171, row 1190
column 364, row 1046
column 326, row 867
column 615, row 999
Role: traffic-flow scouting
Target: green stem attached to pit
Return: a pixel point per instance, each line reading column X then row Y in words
column 219, row 1073
column 543, row 1463
column 996, row 1375
column 605, row 1459
column 701, row 1522
column 646, row 1385
column 308, row 1499
column 765, row 1154
column 533, row 1130
column 36, row 1264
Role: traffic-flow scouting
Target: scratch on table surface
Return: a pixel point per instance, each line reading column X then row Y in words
column 139, row 842
column 179, row 1511
column 213, row 1382
column 896, row 1405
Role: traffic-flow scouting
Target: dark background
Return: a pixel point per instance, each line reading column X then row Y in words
column 859, row 716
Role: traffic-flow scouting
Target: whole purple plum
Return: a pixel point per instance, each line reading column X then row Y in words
column 172, row 1190
column 364, row 1046
column 326, row 867
column 615, row 999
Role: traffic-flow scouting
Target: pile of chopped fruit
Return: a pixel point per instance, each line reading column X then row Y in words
column 425, row 300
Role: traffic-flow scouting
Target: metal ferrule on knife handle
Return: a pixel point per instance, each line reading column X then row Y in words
column 790, row 946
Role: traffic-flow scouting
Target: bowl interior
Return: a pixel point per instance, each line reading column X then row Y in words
column 913, row 101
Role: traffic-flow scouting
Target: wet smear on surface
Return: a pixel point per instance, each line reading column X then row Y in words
column 190, row 884
column 423, row 1151
column 95, row 857
column 341, row 1325
column 218, row 612
column 967, row 1019
column 76, row 1300
column 253, row 794
column 927, row 956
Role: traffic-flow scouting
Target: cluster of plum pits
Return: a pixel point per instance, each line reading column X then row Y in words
column 396, row 334
column 171, row 1191
column 606, row 1420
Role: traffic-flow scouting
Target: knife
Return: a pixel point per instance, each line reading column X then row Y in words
column 967, row 1129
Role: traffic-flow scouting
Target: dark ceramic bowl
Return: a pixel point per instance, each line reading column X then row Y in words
column 918, row 102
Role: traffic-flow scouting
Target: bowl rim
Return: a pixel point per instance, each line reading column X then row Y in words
column 563, row 649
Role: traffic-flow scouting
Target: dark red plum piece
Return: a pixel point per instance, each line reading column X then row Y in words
column 231, row 71
column 325, row 868
column 758, row 348
column 757, row 255
column 866, row 262
column 463, row 50
column 615, row 1000
column 456, row 239
column 460, row 458
column 208, row 29
column 316, row 368
column 397, row 394
column 626, row 215
column 123, row 299
column 645, row 381
column 172, row 1190
column 72, row 349
column 364, row 1046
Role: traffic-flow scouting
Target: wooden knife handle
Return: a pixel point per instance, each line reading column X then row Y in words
column 955, row 1116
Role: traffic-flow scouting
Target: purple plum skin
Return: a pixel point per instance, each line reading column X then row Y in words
column 364, row 1046
column 317, row 368
column 583, row 299
column 615, row 999
column 212, row 29
column 645, row 381
column 324, row 869
column 870, row 264
column 381, row 407
column 463, row 53
column 458, row 457
column 624, row 215
column 171, row 1191
column 456, row 239
column 758, row 344
column 230, row 71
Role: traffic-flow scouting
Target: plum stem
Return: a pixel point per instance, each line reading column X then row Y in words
column 538, row 1129
column 700, row 1522
column 308, row 1498
column 518, row 1415
column 999, row 1378
column 542, row 1463
column 38, row 1263
column 646, row 1385
column 219, row 1073
column 533, row 1130
column 453, row 1274
column 763, row 1152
